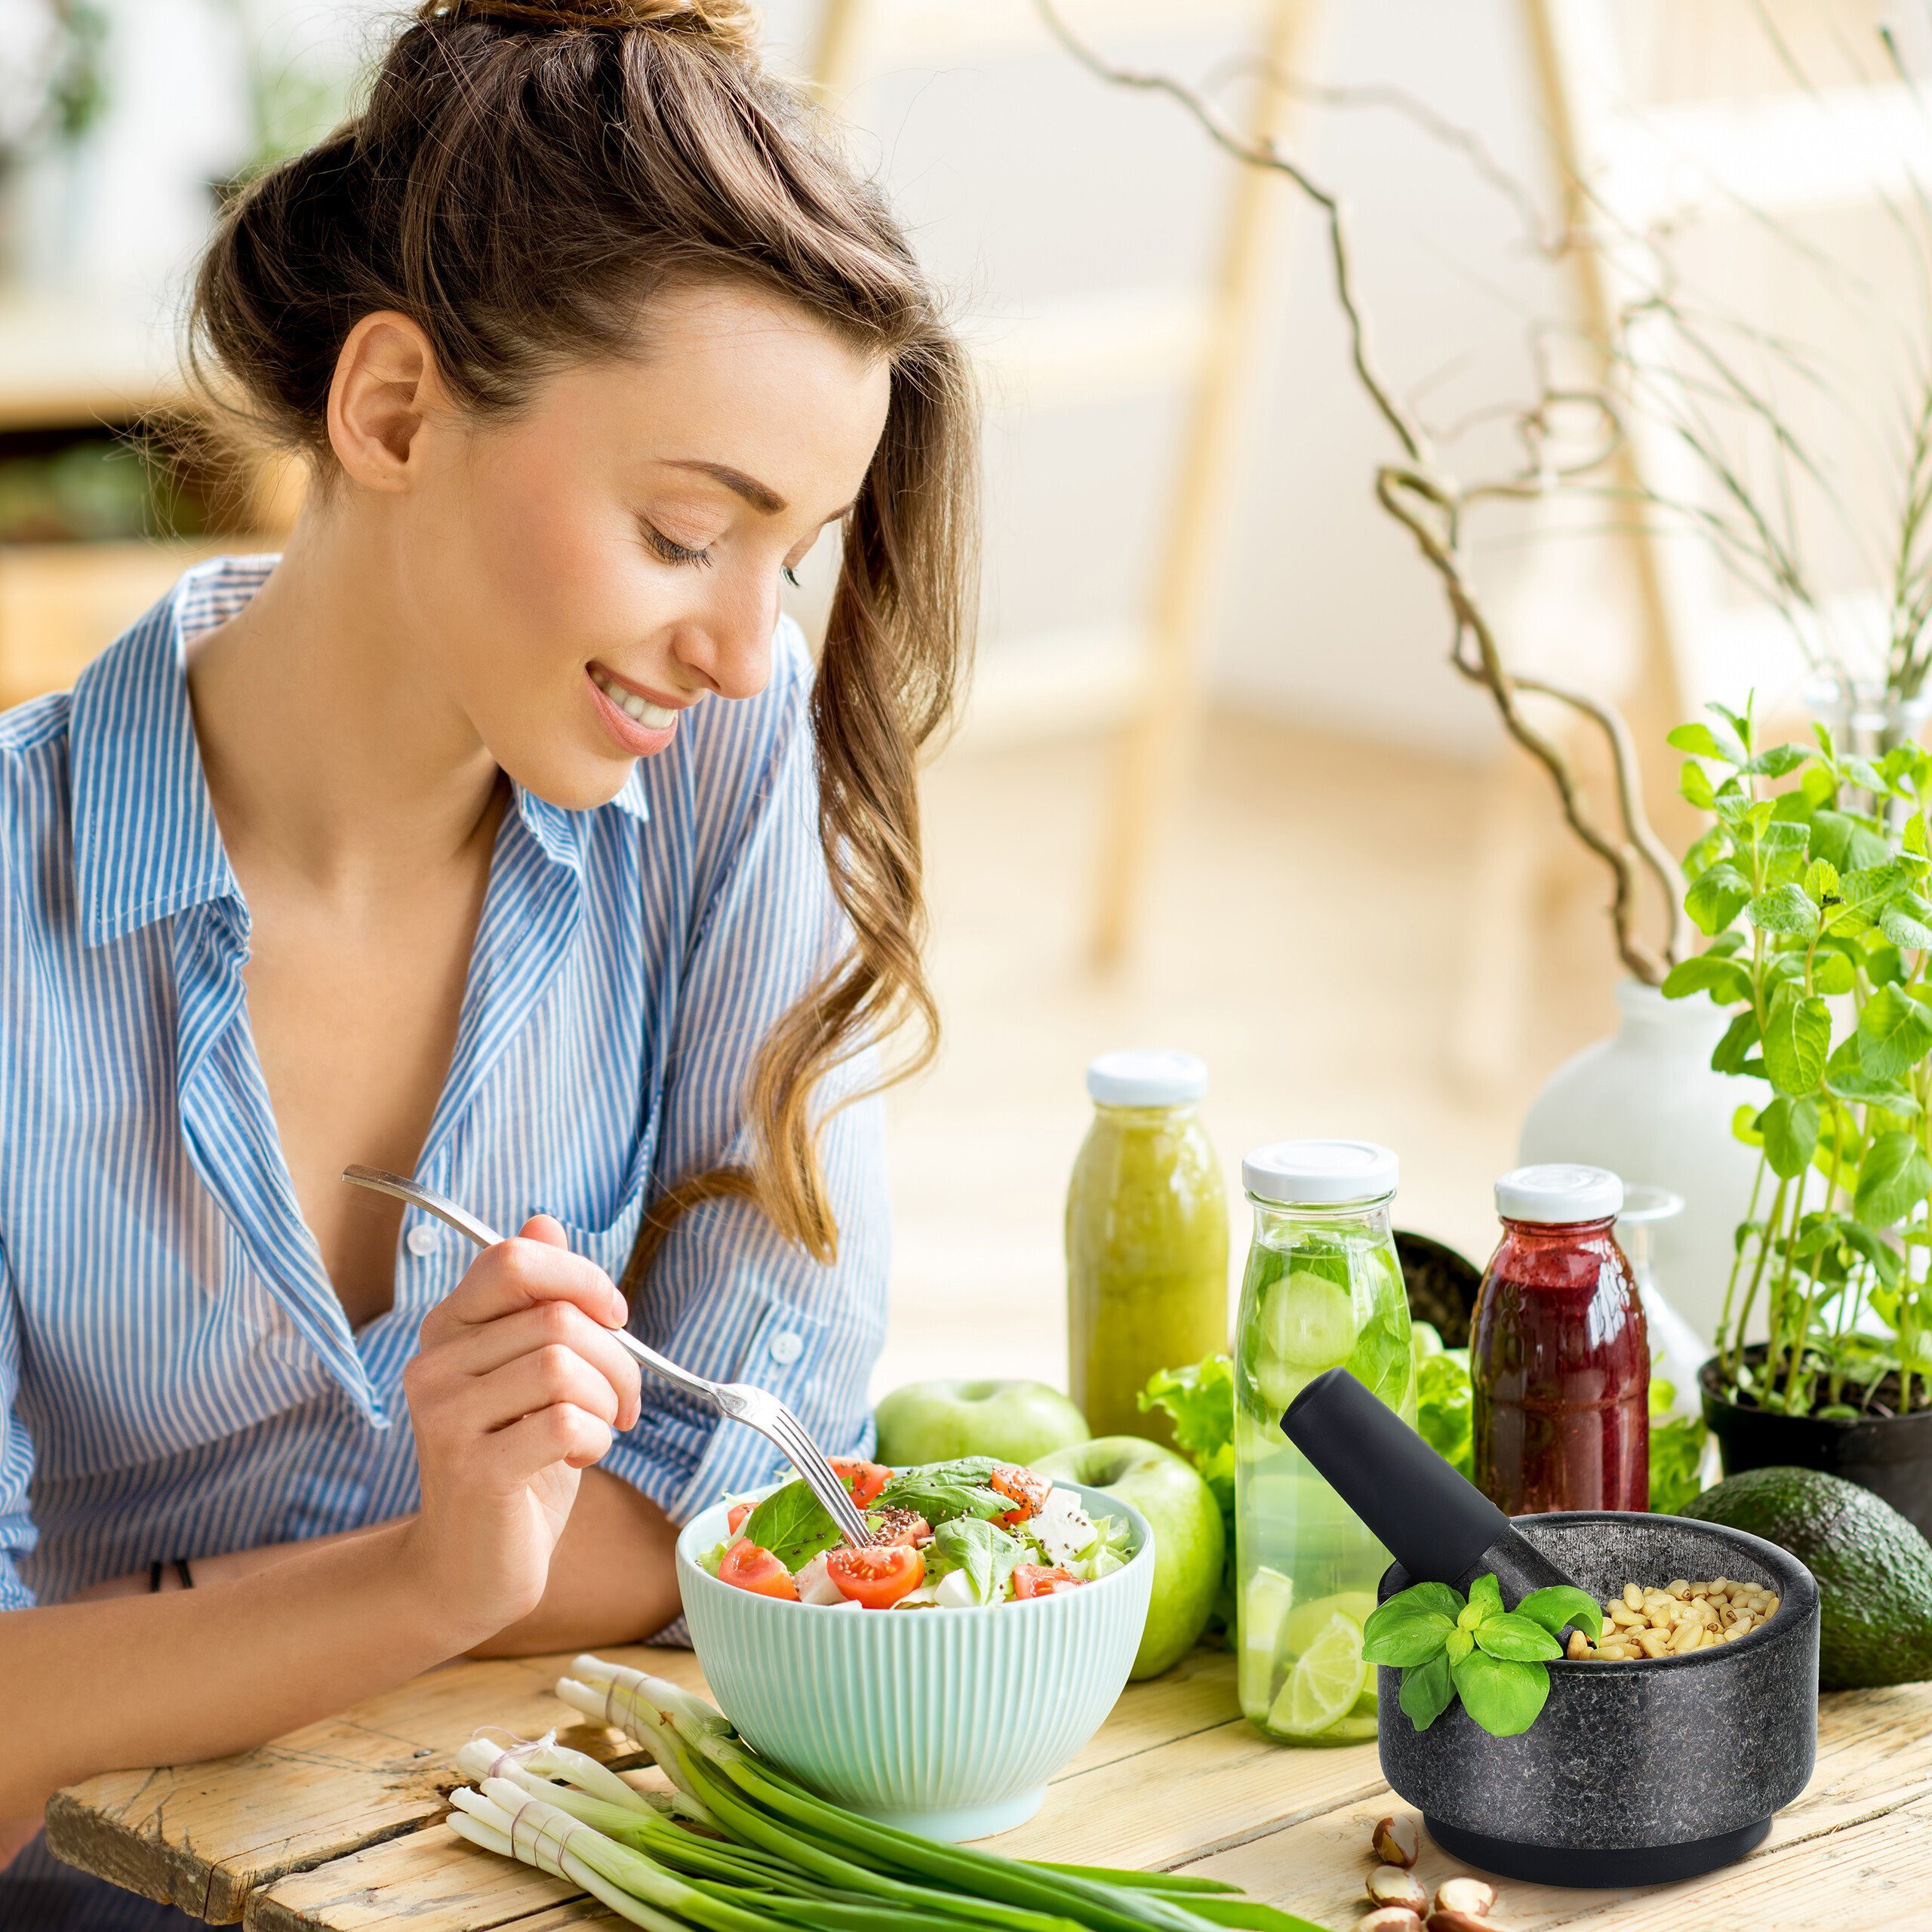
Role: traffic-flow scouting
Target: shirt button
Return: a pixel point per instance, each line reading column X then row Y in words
column 786, row 1347
column 421, row 1239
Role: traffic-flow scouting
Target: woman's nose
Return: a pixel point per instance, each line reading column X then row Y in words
column 728, row 645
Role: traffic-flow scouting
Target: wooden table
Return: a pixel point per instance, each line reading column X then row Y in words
column 340, row 1825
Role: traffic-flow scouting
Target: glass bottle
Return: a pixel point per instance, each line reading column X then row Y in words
column 1146, row 1239
column 1559, row 1356
column 1323, row 1289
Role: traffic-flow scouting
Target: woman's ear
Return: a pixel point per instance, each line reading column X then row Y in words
column 386, row 387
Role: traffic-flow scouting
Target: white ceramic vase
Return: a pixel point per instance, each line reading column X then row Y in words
column 1646, row 1104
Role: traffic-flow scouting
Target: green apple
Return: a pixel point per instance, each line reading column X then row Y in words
column 1189, row 1541
column 1018, row 1421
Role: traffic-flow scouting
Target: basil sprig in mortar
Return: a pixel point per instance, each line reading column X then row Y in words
column 1495, row 1659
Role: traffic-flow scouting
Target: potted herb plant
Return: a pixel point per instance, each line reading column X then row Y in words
column 1814, row 885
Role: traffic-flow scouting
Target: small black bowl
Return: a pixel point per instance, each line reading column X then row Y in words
column 1635, row 1773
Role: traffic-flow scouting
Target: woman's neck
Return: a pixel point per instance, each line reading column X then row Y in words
column 332, row 752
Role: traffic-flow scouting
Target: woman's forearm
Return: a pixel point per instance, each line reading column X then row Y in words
column 172, row 1678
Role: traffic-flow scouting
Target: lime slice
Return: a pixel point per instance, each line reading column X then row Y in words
column 1311, row 1321
column 1324, row 1683
column 1265, row 1602
column 1307, row 1621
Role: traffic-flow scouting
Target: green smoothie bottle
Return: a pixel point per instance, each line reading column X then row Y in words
column 1146, row 1238
column 1323, row 1289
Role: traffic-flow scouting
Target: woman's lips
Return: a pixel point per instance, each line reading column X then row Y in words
column 639, row 737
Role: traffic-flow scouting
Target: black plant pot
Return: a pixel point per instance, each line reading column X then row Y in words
column 1635, row 1773
column 1890, row 1455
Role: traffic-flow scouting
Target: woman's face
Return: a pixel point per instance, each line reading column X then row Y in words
column 581, row 574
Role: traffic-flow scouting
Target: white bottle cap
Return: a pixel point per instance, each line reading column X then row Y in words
column 1317, row 1173
column 1558, row 1192
column 1147, row 1077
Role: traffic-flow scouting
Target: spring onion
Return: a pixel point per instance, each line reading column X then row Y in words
column 738, row 1845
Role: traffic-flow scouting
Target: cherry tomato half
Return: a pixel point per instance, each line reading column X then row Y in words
column 1035, row 1580
column 746, row 1567
column 734, row 1517
column 1029, row 1490
column 865, row 1480
column 877, row 1576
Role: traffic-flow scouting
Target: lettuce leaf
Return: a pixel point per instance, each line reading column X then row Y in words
column 1199, row 1402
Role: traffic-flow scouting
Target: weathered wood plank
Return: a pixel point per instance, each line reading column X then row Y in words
column 202, row 1837
column 1874, row 1758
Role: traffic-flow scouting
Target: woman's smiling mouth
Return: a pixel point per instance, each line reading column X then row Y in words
column 640, row 723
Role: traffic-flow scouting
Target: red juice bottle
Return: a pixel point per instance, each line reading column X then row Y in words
column 1559, row 1357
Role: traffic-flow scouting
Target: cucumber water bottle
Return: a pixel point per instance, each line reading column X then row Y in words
column 1323, row 1289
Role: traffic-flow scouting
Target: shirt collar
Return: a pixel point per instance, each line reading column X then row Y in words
column 146, row 841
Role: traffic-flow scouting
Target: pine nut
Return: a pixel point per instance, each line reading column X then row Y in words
column 1685, row 1616
column 1633, row 1596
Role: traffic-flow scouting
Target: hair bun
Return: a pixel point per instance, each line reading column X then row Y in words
column 730, row 24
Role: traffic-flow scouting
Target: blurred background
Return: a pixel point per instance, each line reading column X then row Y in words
column 1221, row 785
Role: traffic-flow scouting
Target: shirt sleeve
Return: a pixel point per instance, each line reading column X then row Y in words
column 17, row 1534
column 728, row 1296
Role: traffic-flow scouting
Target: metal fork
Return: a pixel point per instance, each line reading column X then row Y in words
column 738, row 1401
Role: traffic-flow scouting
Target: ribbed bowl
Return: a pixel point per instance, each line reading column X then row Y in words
column 945, row 1721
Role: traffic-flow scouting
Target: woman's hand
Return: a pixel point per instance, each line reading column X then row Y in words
column 519, row 1385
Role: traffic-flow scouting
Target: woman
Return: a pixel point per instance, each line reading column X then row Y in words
column 499, row 832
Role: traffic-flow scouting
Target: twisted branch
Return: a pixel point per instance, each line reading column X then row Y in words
column 1429, row 504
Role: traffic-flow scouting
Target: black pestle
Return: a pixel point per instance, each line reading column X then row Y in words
column 1435, row 1522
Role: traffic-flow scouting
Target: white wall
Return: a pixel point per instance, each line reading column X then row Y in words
column 1027, row 181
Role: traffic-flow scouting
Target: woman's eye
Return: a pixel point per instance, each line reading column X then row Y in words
column 672, row 552
column 790, row 576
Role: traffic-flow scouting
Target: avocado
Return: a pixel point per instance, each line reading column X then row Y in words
column 1873, row 1567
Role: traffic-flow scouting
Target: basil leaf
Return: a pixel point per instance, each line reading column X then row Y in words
column 1433, row 1596
column 1457, row 1645
column 935, row 1498
column 1485, row 1600
column 1893, row 1033
column 1563, row 1603
column 1505, row 1697
column 1428, row 1690
column 1798, row 1036
column 1517, row 1639
column 983, row 1550
column 793, row 1524
column 1790, row 1131
column 1893, row 1176
column 1402, row 1633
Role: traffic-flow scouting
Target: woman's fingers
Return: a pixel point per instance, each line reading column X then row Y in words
column 542, row 1379
column 562, row 1433
column 483, row 1349
column 532, row 1267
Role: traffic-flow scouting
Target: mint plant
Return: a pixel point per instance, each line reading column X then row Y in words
column 1811, row 883
column 1496, row 1660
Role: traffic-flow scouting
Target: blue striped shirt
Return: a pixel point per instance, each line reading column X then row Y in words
column 176, row 1374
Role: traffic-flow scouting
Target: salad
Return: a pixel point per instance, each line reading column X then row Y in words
column 970, row 1533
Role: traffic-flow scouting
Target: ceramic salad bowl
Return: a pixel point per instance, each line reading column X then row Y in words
column 949, row 1722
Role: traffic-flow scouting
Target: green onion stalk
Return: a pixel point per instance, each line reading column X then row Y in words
column 741, row 1842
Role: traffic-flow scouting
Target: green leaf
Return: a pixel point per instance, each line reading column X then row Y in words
column 1866, row 888
column 1716, row 897
column 1694, row 782
column 1797, row 1038
column 1517, row 1639
column 1724, row 979
column 1428, row 1690
column 936, row 1494
column 1732, row 1053
column 1904, row 923
column 1698, row 739
column 1777, row 760
column 1861, row 1091
column 1864, row 775
column 1790, row 1131
column 1832, row 972
column 1784, row 909
column 1485, row 1600
column 793, row 1524
column 1560, row 1604
column 1400, row 1632
column 986, row 1553
column 1677, row 1456
column 1445, row 1412
column 1894, row 1033
column 1894, row 1176
column 1435, row 1596
column 1458, row 1645
column 1505, row 1697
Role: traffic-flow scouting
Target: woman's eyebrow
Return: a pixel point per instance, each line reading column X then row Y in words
column 760, row 496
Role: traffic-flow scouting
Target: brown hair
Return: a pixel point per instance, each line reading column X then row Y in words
column 523, row 179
